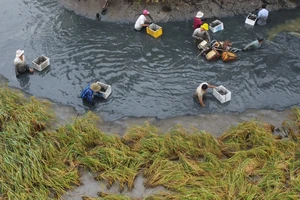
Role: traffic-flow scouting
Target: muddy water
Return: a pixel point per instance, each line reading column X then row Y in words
column 149, row 77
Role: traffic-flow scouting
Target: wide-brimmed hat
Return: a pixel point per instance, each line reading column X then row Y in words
column 19, row 53
column 205, row 26
column 145, row 12
column 95, row 87
column 199, row 14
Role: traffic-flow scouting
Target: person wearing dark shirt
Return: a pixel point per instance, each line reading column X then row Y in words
column 88, row 92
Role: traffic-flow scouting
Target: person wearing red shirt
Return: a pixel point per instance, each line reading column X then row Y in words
column 197, row 20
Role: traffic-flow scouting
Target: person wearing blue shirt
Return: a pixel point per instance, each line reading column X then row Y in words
column 262, row 15
column 255, row 44
column 88, row 92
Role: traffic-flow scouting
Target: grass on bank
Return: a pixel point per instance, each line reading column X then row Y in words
column 246, row 162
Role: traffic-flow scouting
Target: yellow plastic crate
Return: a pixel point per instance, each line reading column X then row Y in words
column 154, row 30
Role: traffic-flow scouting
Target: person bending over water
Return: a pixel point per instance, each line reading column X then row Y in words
column 201, row 91
column 20, row 63
column 255, row 44
column 89, row 92
column 201, row 34
column 142, row 21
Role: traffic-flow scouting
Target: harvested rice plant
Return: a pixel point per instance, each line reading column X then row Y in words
column 246, row 162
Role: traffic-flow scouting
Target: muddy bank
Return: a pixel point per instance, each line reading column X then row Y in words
column 127, row 11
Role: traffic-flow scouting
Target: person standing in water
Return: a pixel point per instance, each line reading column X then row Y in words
column 20, row 64
column 142, row 21
column 262, row 15
column 197, row 20
column 201, row 91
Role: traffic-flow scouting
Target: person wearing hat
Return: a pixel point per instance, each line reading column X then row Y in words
column 255, row 44
column 142, row 21
column 20, row 63
column 89, row 91
column 197, row 20
column 201, row 91
column 201, row 34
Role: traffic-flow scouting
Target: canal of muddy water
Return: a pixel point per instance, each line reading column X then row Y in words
column 149, row 77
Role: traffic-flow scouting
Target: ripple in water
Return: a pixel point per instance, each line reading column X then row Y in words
column 149, row 77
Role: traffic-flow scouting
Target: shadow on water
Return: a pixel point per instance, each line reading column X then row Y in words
column 149, row 77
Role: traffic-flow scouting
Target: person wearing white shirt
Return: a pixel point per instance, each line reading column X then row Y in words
column 255, row 44
column 142, row 21
column 20, row 63
column 201, row 91
column 262, row 16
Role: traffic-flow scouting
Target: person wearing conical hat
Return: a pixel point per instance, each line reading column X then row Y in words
column 89, row 91
column 201, row 34
column 20, row 63
column 197, row 19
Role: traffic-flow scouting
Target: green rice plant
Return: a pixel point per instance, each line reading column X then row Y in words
column 207, row 142
column 109, row 196
column 196, row 190
column 191, row 166
column 295, row 117
column 149, row 149
column 136, row 133
column 116, row 165
column 294, row 185
column 166, row 173
column 177, row 142
column 163, row 195
column 123, row 176
column 262, row 153
column 237, row 186
column 30, row 167
column 91, row 198
column 244, row 136
column 292, row 124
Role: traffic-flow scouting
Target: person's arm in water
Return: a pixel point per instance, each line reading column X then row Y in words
column 200, row 98
column 250, row 45
column 90, row 96
column 16, row 71
column 207, row 36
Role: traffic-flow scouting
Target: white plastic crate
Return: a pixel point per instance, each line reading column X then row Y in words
column 203, row 44
column 40, row 63
column 251, row 19
column 105, row 90
column 216, row 26
column 222, row 94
